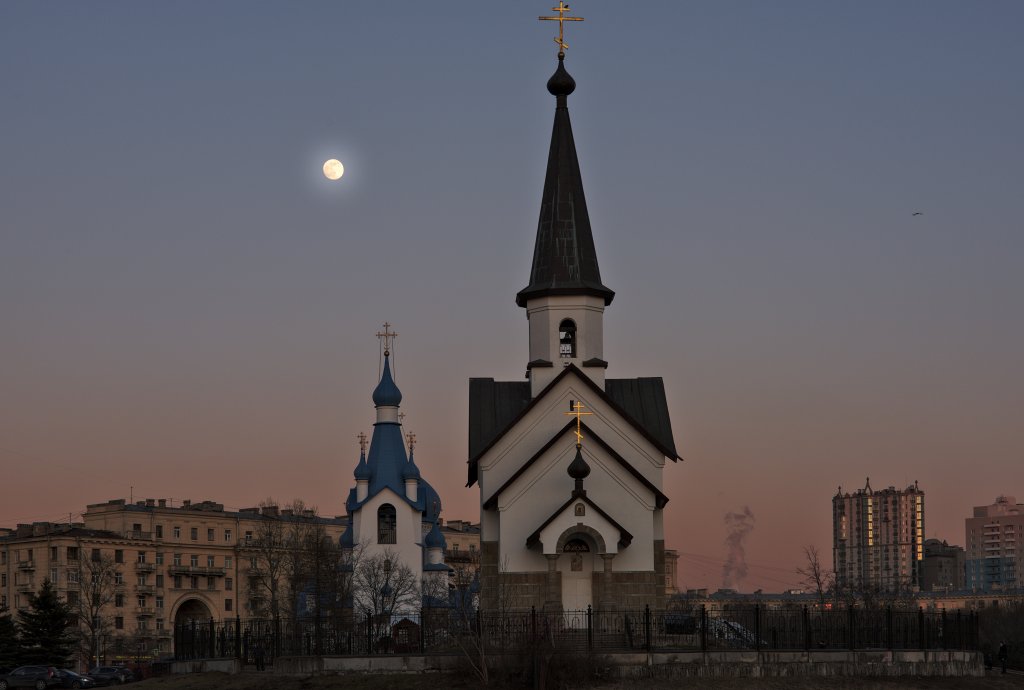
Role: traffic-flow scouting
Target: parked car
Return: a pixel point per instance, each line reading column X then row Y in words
column 109, row 675
column 38, row 677
column 70, row 679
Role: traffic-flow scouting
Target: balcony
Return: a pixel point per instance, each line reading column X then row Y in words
column 144, row 589
column 144, row 567
column 164, row 632
column 195, row 570
column 145, row 611
column 138, row 534
column 26, row 565
column 26, row 587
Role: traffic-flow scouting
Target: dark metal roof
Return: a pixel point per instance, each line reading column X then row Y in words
column 564, row 257
column 494, row 406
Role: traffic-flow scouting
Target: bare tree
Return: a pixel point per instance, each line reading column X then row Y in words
column 97, row 591
column 383, row 584
column 815, row 575
column 268, row 561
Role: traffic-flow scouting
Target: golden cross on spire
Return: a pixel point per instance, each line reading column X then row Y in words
column 561, row 19
column 387, row 337
column 410, row 438
column 362, row 441
column 576, row 410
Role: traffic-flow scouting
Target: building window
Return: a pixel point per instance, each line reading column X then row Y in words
column 228, row 583
column 194, row 582
column 227, row 604
column 160, row 623
column 210, row 560
column 567, row 338
column 387, row 524
column 72, row 577
column 142, row 579
column 118, row 556
column 177, row 581
column 194, row 533
column 119, row 622
column 248, row 536
column 209, row 534
column 159, row 531
column 159, row 558
column 177, row 533
column 53, row 553
column 228, row 561
column 159, row 602
column 140, row 624
column 118, row 578
column 159, row 580
column 95, row 556
column 142, row 601
column 142, row 557
column 211, row 583
column 176, row 559
column 227, row 535
column 193, row 560
column 54, row 575
column 72, row 553
column 3, row 579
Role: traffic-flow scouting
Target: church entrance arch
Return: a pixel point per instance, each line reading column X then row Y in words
column 577, row 568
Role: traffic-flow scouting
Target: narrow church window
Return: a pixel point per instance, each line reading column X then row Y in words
column 387, row 524
column 581, row 509
column 567, row 338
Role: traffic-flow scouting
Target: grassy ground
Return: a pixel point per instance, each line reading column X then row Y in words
column 416, row 681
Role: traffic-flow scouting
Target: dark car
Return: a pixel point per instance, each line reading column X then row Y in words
column 38, row 677
column 70, row 679
column 108, row 675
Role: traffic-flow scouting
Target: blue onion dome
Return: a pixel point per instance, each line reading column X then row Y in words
column 431, row 502
column 351, row 502
column 410, row 471
column 435, row 540
column 362, row 469
column 346, row 538
column 561, row 82
column 386, row 394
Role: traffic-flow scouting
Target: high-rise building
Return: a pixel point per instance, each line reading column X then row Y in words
column 878, row 539
column 943, row 567
column 993, row 559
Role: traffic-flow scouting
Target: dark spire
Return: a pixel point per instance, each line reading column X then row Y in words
column 564, row 258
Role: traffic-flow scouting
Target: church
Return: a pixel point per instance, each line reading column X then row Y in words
column 393, row 514
column 569, row 462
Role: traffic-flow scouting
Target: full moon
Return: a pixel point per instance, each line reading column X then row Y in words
column 333, row 169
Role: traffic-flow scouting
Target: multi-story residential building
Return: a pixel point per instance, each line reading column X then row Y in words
column 878, row 539
column 994, row 560
column 163, row 565
column 943, row 567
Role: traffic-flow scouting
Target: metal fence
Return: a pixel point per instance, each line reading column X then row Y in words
column 698, row 628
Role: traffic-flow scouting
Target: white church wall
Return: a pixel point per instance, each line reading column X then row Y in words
column 545, row 315
column 408, row 531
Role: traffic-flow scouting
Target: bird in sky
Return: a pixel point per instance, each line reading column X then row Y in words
column 917, row 213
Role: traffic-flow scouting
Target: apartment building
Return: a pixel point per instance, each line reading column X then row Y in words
column 878, row 539
column 943, row 567
column 994, row 560
column 169, row 564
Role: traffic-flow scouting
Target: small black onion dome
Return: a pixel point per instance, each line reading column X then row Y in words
column 578, row 468
column 561, row 82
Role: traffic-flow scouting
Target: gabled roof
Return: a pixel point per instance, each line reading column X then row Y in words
column 496, row 406
column 564, row 257
column 625, row 538
column 660, row 499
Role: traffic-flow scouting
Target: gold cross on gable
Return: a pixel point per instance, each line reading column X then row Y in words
column 387, row 336
column 576, row 410
column 362, row 441
column 410, row 438
column 561, row 19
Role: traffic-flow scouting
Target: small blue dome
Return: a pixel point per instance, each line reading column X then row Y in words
column 410, row 471
column 435, row 540
column 431, row 502
column 386, row 394
column 362, row 469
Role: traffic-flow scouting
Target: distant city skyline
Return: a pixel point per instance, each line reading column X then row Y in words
column 190, row 306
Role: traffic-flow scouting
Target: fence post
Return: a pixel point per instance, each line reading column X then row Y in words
column 533, row 624
column 238, row 637
column 942, row 631
column 890, row 642
column 757, row 628
column 920, row 627
column 369, row 634
column 590, row 627
column 423, row 628
column 647, row 627
column 703, row 628
column 192, row 653
column 807, row 629
column 212, row 643
column 849, row 626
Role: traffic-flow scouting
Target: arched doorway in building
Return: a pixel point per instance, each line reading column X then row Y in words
column 192, row 610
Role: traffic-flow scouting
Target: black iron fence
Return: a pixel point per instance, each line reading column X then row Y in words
column 699, row 628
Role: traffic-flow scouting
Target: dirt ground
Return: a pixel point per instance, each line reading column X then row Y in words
column 437, row 681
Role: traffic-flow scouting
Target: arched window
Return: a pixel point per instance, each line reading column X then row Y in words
column 567, row 338
column 387, row 525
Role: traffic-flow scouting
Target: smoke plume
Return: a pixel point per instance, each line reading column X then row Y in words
column 737, row 527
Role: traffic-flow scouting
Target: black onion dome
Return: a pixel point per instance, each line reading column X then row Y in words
column 578, row 468
column 561, row 82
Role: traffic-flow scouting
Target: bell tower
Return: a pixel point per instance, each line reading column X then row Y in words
column 565, row 299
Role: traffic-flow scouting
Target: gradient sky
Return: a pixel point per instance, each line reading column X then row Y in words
column 188, row 306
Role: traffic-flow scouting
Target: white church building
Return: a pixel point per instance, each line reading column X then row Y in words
column 393, row 511
column 569, row 462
